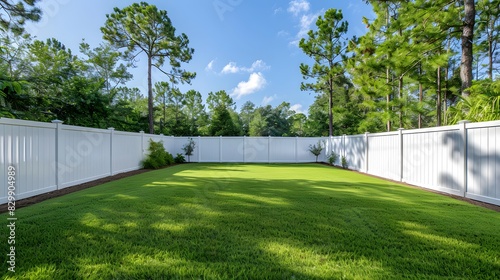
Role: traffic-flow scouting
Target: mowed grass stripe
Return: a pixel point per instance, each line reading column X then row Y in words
column 251, row 221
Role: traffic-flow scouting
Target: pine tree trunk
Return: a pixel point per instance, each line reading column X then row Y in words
column 438, row 97
column 330, row 108
column 150, row 98
column 420, row 96
column 467, row 54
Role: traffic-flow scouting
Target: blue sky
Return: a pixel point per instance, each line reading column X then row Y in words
column 249, row 48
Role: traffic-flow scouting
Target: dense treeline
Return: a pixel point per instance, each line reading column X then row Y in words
column 413, row 68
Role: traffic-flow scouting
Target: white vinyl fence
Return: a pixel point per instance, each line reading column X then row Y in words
column 463, row 159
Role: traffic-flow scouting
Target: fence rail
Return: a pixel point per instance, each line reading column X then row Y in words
column 463, row 159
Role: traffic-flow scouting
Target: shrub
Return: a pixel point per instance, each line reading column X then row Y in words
column 157, row 156
column 189, row 148
column 345, row 164
column 316, row 149
column 179, row 158
column 332, row 158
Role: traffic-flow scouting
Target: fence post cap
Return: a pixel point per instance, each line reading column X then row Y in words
column 464, row 121
column 57, row 121
column 142, row 131
column 111, row 128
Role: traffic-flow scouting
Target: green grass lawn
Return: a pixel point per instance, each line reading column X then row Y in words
column 234, row 221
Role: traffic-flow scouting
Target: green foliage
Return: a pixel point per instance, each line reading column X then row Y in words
column 333, row 158
column 14, row 14
column 157, row 157
column 222, row 124
column 316, row 149
column 134, row 28
column 483, row 103
column 189, row 148
column 179, row 158
column 344, row 162
column 327, row 47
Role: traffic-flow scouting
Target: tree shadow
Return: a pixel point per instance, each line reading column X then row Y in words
column 229, row 227
column 483, row 164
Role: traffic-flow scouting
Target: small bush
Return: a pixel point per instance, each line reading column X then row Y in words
column 157, row 156
column 316, row 149
column 179, row 158
column 345, row 164
column 170, row 159
column 189, row 148
column 332, row 158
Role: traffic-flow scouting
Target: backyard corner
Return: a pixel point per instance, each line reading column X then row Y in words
column 248, row 221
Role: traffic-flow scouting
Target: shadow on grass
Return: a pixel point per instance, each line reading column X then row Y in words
column 224, row 227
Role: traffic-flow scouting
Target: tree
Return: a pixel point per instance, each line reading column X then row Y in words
column 194, row 109
column 220, row 99
column 316, row 149
column 258, row 125
column 469, row 20
column 142, row 28
column 488, row 32
column 103, row 64
column 188, row 148
column 13, row 16
column 221, row 106
column 326, row 47
column 221, row 123
column 246, row 115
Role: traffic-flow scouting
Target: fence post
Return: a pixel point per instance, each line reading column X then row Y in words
column 220, row 149
column 58, row 151
column 244, row 156
column 142, row 142
column 343, row 146
column 297, row 149
column 366, row 152
column 199, row 148
column 400, row 130
column 269, row 149
column 111, row 136
column 463, row 131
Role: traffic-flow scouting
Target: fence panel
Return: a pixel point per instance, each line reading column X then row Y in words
column 303, row 153
column 462, row 159
column 433, row 158
column 256, row 149
column 483, row 165
column 30, row 148
column 283, row 149
column 127, row 152
column 232, row 149
column 384, row 155
column 85, row 155
column 355, row 147
column 210, row 149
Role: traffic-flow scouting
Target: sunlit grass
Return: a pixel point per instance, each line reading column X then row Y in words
column 234, row 221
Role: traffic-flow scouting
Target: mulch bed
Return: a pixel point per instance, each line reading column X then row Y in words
column 39, row 198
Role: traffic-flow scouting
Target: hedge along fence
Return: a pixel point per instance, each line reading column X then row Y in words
column 463, row 159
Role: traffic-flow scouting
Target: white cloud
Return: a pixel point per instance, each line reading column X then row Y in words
column 255, row 82
column 306, row 22
column 210, row 66
column 278, row 11
column 283, row 33
column 297, row 108
column 268, row 99
column 298, row 6
column 232, row 67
